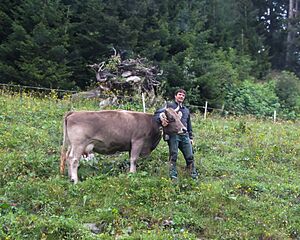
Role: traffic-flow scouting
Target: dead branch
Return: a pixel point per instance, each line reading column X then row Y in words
column 127, row 77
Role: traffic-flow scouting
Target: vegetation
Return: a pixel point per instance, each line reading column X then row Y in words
column 248, row 186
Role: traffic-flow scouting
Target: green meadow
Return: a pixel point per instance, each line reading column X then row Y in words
column 248, row 187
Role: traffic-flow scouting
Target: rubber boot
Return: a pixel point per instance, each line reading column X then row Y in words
column 173, row 170
column 192, row 170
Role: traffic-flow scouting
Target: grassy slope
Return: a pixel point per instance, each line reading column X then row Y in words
column 248, row 186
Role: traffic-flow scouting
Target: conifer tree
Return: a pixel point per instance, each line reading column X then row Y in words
column 35, row 51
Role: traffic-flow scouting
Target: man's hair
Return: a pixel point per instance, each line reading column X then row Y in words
column 180, row 90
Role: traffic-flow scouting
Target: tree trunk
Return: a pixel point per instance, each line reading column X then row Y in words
column 292, row 14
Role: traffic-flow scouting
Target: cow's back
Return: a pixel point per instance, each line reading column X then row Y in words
column 111, row 130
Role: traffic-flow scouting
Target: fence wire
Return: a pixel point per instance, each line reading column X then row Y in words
column 77, row 99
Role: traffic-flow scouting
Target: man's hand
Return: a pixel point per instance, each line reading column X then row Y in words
column 163, row 119
column 192, row 141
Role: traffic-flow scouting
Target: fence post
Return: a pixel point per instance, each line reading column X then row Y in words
column 143, row 99
column 205, row 110
column 274, row 116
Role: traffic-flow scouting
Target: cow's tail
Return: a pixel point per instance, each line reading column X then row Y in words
column 64, row 148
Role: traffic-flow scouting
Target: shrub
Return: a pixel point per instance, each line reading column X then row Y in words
column 252, row 98
column 288, row 91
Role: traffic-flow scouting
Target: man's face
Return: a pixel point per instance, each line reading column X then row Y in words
column 179, row 97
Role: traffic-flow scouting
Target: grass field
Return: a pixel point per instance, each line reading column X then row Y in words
column 248, row 186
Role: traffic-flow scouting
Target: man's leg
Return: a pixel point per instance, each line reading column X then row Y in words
column 173, row 153
column 186, row 148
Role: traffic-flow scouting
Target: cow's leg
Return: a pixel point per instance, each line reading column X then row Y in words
column 63, row 158
column 134, row 154
column 73, row 162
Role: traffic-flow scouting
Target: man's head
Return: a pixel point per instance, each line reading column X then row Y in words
column 180, row 95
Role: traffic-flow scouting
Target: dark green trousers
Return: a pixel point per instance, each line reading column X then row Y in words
column 182, row 143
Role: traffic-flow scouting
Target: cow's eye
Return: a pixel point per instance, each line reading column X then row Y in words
column 171, row 119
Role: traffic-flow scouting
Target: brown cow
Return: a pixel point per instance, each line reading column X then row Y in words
column 112, row 131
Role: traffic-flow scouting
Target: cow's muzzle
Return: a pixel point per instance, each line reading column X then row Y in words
column 183, row 131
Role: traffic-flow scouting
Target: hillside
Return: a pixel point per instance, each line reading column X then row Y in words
column 248, row 186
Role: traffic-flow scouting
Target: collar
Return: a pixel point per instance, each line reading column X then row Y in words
column 179, row 104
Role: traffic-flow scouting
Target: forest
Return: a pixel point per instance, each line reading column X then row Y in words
column 239, row 55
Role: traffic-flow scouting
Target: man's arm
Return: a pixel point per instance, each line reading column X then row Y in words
column 189, row 127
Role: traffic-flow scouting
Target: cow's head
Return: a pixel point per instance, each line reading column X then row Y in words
column 175, row 125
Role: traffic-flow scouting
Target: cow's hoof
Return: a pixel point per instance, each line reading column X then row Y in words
column 73, row 181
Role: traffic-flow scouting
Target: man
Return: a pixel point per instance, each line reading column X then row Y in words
column 183, row 141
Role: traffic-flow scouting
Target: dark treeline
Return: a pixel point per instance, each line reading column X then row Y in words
column 241, row 54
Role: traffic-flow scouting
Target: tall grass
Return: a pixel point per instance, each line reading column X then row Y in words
column 248, row 186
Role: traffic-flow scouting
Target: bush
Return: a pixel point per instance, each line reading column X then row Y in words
column 288, row 91
column 252, row 98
